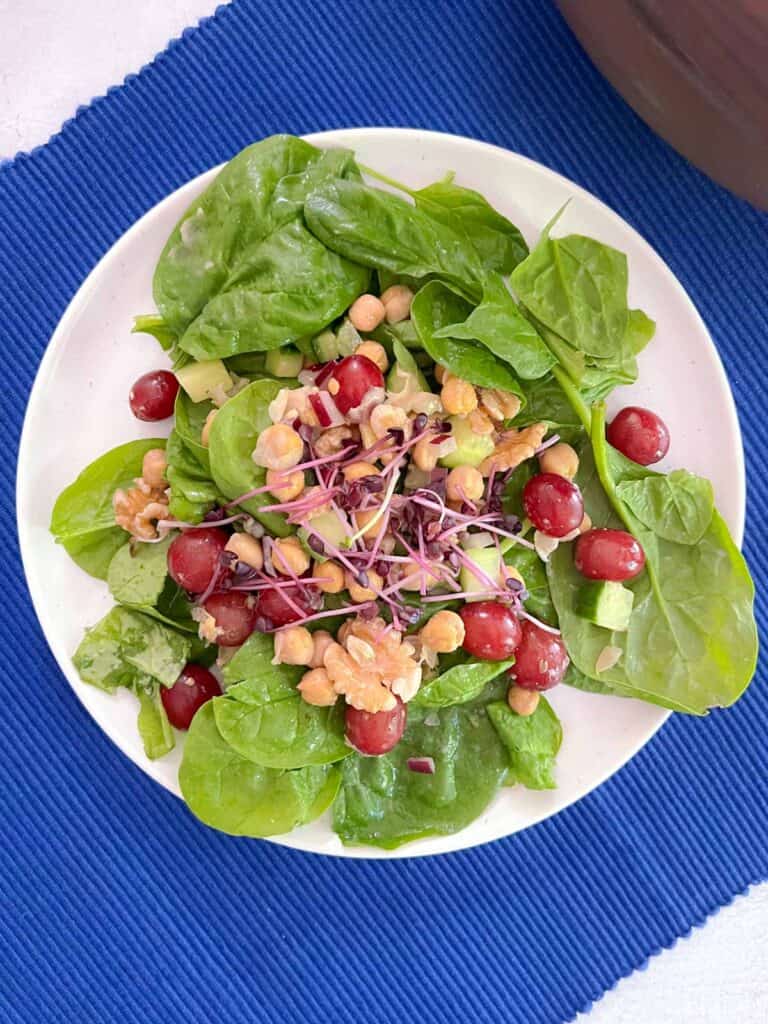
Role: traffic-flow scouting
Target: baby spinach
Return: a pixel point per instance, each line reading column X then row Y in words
column 231, row 793
column 532, row 742
column 155, row 326
column 677, row 507
column 289, row 286
column 234, row 434
column 460, row 683
column 436, row 306
column 692, row 641
column 499, row 244
column 83, row 520
column 154, row 728
column 137, row 575
column 532, row 569
column 383, row 803
column 381, row 230
column 282, row 733
column 577, row 287
column 545, row 402
column 193, row 492
column 127, row 648
column 499, row 325
column 189, row 420
column 253, row 662
column 257, row 192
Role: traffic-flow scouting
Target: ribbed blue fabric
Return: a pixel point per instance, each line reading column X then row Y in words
column 115, row 905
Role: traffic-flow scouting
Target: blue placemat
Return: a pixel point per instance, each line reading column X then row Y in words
column 114, row 904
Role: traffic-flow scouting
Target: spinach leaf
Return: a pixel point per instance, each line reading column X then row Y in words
column 137, row 576
column 83, row 520
column 532, row 742
column 577, row 286
column 546, row 403
column 404, row 332
column 499, row 325
column 534, row 573
column 383, row 803
column 434, row 307
column 282, row 733
column 677, row 507
column 193, row 492
column 154, row 728
column 640, row 330
column 234, row 795
column 259, row 191
column 692, row 641
column 154, row 325
column 233, row 437
column 127, row 648
column 381, row 230
column 253, row 662
column 289, row 286
column 189, row 420
column 497, row 241
column 460, row 683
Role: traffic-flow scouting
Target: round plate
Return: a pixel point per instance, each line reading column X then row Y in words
column 92, row 360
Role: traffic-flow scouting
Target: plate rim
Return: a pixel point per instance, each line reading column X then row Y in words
column 346, row 136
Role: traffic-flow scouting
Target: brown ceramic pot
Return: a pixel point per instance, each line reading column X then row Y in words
column 696, row 71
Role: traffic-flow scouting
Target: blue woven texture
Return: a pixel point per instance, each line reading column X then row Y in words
column 115, row 905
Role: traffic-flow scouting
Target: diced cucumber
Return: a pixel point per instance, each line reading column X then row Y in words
column 471, row 448
column 328, row 526
column 606, row 603
column 325, row 345
column 488, row 561
column 284, row 362
column 205, row 379
column 347, row 339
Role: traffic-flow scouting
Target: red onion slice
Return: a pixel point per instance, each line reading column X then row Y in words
column 422, row 765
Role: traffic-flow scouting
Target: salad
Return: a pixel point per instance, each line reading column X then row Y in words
column 390, row 515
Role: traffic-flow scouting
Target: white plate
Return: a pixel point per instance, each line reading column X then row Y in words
column 79, row 408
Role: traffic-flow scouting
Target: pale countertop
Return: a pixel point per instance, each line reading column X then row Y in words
column 54, row 57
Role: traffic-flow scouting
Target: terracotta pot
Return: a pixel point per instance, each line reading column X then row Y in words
column 696, row 71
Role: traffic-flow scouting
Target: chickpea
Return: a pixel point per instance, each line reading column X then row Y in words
column 289, row 557
column 560, row 459
column 459, row 397
column 321, row 641
column 358, row 470
column 586, row 524
column 360, row 594
column 375, row 352
column 366, row 313
column 397, row 301
column 523, row 702
column 205, row 433
column 153, row 468
column 440, row 373
column 316, row 688
column 415, row 575
column 444, row 633
column 332, row 574
column 388, row 417
column 464, row 483
column 480, row 422
column 425, row 454
column 363, row 520
column 293, row 646
column 278, row 447
column 287, row 486
column 247, row 549
column 388, row 544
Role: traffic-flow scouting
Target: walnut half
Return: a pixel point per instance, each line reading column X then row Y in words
column 514, row 446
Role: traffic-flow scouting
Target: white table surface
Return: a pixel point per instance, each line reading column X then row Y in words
column 54, row 57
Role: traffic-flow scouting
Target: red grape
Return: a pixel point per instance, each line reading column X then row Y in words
column 375, row 732
column 639, row 434
column 491, row 630
column 553, row 504
column 193, row 558
column 541, row 659
column 153, row 395
column 234, row 612
column 608, row 555
column 272, row 605
column 192, row 689
column 355, row 375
